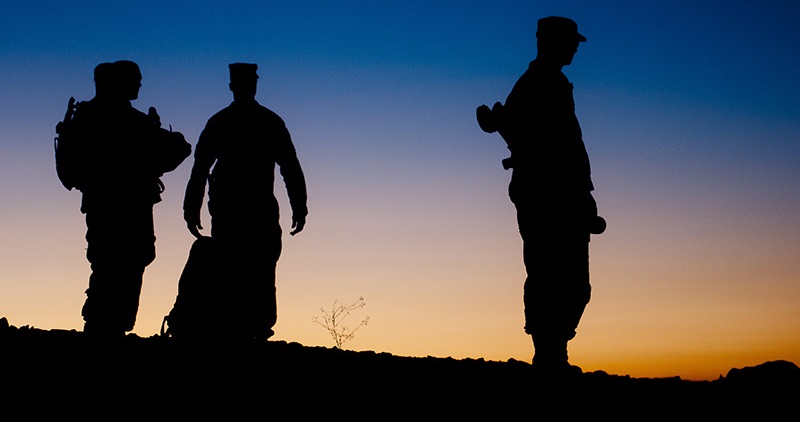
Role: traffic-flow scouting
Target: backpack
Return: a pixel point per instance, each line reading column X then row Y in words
column 67, row 165
column 191, row 317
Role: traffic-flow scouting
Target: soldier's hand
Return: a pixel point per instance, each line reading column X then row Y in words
column 297, row 224
column 193, row 224
column 195, row 230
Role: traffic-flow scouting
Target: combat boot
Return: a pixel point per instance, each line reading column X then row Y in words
column 551, row 359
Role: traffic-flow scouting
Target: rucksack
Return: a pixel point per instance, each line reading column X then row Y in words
column 192, row 315
column 67, row 165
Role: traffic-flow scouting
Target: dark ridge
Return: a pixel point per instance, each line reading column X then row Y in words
column 43, row 366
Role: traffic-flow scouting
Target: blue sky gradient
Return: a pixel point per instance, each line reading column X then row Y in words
column 691, row 117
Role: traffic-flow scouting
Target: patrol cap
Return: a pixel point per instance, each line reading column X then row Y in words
column 243, row 71
column 557, row 27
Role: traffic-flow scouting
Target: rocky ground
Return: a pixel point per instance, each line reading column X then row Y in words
column 161, row 377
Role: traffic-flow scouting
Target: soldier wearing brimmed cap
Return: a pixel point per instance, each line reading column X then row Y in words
column 557, row 28
column 236, row 155
column 551, row 188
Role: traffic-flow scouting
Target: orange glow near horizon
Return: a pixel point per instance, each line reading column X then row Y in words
column 692, row 137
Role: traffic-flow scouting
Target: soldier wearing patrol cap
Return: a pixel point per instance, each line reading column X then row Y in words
column 551, row 188
column 236, row 155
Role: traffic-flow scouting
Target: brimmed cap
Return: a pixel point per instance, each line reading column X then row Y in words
column 557, row 27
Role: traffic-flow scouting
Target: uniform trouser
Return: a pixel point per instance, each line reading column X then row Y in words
column 557, row 287
column 248, row 262
column 121, row 243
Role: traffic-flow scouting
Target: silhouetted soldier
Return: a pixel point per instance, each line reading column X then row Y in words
column 243, row 142
column 551, row 188
column 118, row 156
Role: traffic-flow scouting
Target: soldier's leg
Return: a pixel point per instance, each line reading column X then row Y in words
column 248, row 269
column 538, row 256
column 577, row 291
column 98, row 309
column 138, row 250
column 555, row 294
column 130, row 288
column 119, row 254
column 538, row 295
column 264, row 308
column 543, row 306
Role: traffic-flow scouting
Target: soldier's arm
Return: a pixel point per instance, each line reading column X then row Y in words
column 295, row 182
column 196, row 187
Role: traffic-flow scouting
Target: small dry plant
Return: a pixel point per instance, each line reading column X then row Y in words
column 333, row 321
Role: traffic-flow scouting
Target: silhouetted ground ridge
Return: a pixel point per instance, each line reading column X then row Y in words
column 328, row 381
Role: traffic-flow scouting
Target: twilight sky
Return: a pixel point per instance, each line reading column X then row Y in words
column 691, row 117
